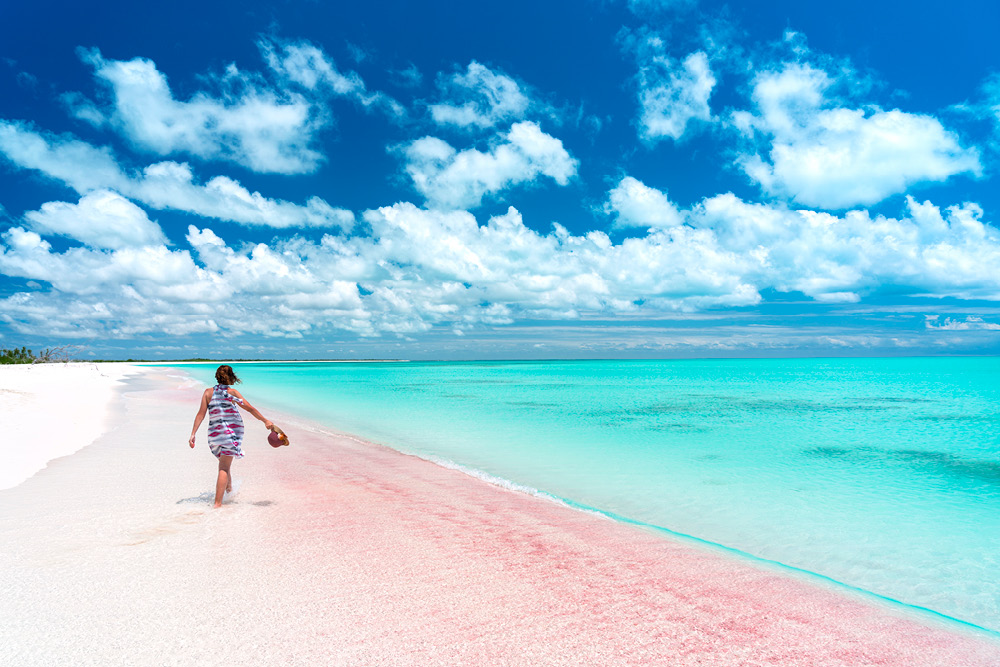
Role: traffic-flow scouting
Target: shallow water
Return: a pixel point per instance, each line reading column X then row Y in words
column 882, row 474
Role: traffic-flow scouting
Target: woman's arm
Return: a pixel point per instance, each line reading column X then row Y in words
column 198, row 418
column 245, row 404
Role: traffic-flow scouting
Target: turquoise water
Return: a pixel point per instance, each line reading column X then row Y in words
column 882, row 474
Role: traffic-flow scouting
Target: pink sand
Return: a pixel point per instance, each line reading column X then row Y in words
column 340, row 552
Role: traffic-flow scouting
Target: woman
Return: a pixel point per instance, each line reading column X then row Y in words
column 225, row 425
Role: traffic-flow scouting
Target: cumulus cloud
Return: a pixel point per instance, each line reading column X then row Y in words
column 306, row 65
column 815, row 149
column 635, row 204
column 479, row 97
column 124, row 314
column 833, row 258
column 151, row 289
column 76, row 163
column 152, row 271
column 970, row 323
column 507, row 263
column 643, row 8
column 164, row 185
column 672, row 94
column 246, row 122
column 82, row 108
column 827, row 257
column 264, row 272
column 419, row 268
column 101, row 219
column 416, row 268
column 169, row 185
column 460, row 179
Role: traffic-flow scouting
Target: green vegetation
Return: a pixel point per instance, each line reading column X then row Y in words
column 49, row 355
column 16, row 356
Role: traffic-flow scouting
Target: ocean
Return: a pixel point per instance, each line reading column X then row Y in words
column 879, row 474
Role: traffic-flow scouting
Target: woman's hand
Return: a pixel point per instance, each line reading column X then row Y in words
column 191, row 441
column 268, row 424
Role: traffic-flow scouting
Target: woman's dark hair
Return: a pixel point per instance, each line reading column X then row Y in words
column 225, row 375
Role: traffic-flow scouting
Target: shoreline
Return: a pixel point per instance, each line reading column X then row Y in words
column 352, row 553
column 507, row 483
column 809, row 576
column 267, row 361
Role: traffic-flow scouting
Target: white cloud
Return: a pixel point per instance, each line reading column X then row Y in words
column 134, row 291
column 304, row 64
column 672, row 94
column 151, row 271
column 986, row 107
column 76, row 163
column 125, row 314
column 643, row 8
column 479, row 97
column 267, row 122
column 408, row 77
column 419, row 268
column 637, row 205
column 452, row 179
column 309, row 66
column 169, row 185
column 164, row 185
column 261, row 271
column 970, row 323
column 247, row 122
column 83, row 109
column 507, row 263
column 817, row 151
column 833, row 258
column 102, row 219
column 358, row 54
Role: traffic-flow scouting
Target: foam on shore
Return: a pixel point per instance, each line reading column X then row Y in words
column 337, row 551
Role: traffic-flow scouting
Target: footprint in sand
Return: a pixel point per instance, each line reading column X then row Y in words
column 169, row 527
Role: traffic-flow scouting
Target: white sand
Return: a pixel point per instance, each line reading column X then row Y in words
column 52, row 410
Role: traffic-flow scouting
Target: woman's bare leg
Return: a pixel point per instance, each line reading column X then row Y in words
column 224, row 477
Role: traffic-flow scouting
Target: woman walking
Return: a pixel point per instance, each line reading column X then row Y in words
column 225, row 425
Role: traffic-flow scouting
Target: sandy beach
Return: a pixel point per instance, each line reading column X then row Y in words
column 335, row 551
column 56, row 409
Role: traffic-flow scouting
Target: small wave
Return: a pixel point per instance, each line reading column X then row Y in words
column 481, row 475
column 507, row 484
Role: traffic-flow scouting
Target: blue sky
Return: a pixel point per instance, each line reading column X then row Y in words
column 631, row 178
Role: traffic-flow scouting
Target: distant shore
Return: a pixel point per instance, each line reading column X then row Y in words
column 338, row 551
column 187, row 362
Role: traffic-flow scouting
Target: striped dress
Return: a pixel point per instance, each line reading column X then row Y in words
column 225, row 425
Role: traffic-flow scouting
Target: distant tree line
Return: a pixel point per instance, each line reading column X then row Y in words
column 26, row 356
column 16, row 356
